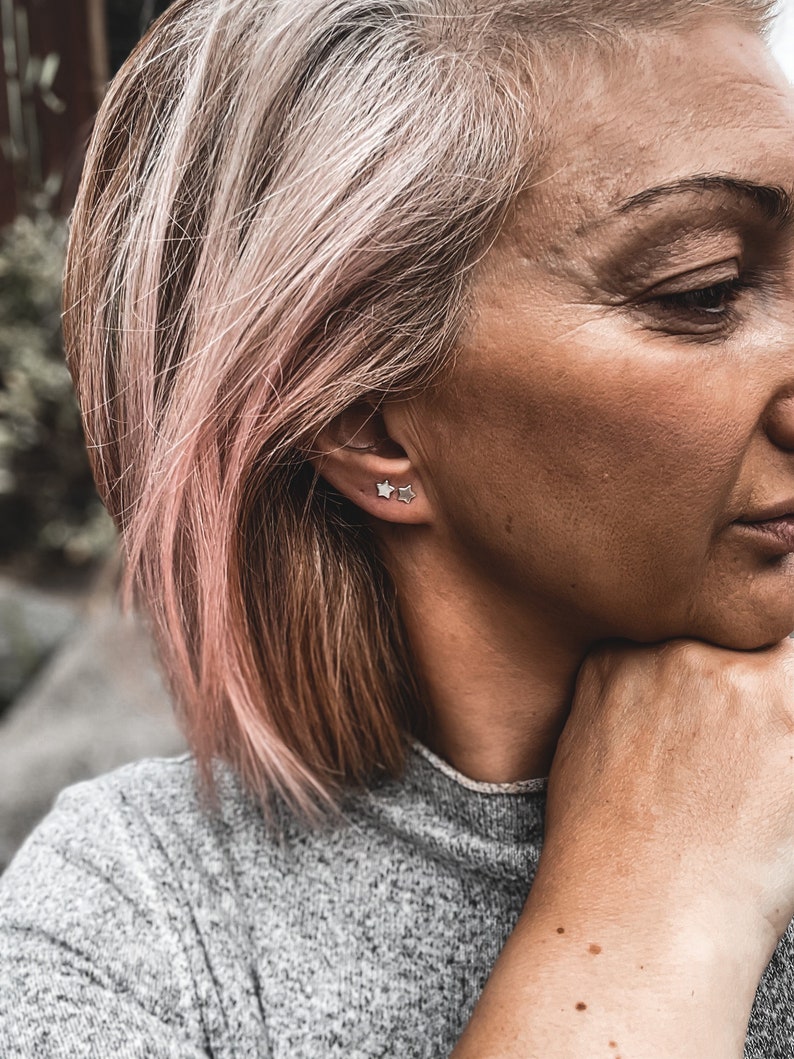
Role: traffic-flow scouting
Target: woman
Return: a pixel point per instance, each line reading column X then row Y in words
column 437, row 364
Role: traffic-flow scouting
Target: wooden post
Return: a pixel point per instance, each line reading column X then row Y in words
column 97, row 47
column 53, row 69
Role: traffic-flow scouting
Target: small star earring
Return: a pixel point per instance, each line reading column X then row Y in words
column 385, row 489
column 406, row 494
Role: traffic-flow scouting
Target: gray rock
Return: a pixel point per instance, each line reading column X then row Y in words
column 32, row 624
column 97, row 704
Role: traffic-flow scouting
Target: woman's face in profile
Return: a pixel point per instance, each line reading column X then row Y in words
column 624, row 395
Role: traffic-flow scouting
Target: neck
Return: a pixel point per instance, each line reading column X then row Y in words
column 498, row 672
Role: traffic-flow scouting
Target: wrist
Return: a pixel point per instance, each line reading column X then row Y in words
column 605, row 961
column 650, row 959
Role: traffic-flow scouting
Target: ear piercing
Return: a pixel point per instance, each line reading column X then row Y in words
column 404, row 492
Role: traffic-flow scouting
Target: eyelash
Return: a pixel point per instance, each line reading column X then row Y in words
column 726, row 292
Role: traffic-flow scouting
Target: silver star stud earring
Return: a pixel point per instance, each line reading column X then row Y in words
column 406, row 494
column 384, row 488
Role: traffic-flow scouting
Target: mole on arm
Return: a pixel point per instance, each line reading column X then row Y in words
column 595, row 949
column 560, row 930
column 581, row 1006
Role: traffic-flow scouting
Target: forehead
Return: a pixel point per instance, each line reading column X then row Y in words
column 667, row 106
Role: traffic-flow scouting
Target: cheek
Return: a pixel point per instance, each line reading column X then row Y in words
column 642, row 447
column 611, row 474
column 616, row 437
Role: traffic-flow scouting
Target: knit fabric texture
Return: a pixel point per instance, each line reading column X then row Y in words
column 137, row 924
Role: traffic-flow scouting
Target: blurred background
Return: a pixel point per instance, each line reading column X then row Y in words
column 79, row 690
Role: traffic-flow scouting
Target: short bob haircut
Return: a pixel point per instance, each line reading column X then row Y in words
column 281, row 209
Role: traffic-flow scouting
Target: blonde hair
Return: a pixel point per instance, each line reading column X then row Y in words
column 281, row 206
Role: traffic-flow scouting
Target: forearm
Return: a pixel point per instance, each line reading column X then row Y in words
column 580, row 979
column 665, row 878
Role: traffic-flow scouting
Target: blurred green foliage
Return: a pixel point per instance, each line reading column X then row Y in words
column 49, row 510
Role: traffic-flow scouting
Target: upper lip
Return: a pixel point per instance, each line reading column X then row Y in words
column 784, row 508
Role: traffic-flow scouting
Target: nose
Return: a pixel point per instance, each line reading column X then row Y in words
column 780, row 421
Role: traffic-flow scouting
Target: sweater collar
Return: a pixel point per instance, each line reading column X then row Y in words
column 536, row 786
column 494, row 828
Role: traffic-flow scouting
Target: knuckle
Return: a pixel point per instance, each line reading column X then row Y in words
column 687, row 656
column 600, row 660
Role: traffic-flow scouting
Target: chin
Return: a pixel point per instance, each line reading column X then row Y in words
column 746, row 610
column 750, row 641
column 749, row 629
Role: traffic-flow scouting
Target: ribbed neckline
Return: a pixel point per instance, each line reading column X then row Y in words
column 492, row 828
column 532, row 786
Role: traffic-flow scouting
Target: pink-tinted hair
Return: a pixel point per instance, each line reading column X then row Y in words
column 282, row 204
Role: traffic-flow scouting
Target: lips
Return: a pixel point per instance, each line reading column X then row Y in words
column 783, row 509
column 774, row 526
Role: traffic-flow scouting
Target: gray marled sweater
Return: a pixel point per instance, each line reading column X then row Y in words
column 134, row 923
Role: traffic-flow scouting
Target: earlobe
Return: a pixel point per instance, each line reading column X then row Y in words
column 398, row 498
column 356, row 456
column 404, row 492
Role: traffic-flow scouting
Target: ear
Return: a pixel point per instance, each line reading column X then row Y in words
column 356, row 455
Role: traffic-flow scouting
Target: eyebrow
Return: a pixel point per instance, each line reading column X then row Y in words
column 774, row 201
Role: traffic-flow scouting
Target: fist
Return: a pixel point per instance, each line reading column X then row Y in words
column 676, row 766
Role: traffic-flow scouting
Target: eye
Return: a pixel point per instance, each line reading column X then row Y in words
column 705, row 303
column 713, row 301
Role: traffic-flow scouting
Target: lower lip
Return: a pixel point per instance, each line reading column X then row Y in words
column 777, row 532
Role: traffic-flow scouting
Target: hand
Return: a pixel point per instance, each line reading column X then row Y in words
column 667, row 872
column 679, row 759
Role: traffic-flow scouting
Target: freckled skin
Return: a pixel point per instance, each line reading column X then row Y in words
column 580, row 474
column 582, row 466
column 620, row 454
